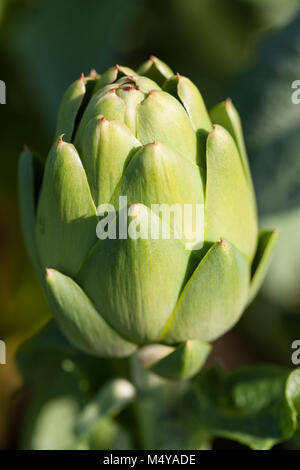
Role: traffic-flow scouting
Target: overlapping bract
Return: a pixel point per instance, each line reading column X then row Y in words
column 146, row 135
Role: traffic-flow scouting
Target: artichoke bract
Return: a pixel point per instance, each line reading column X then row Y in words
column 146, row 135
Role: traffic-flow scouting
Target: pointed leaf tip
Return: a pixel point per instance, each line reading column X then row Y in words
column 60, row 140
column 48, row 273
column 216, row 129
column 155, row 69
column 71, row 103
column 223, row 243
column 94, row 74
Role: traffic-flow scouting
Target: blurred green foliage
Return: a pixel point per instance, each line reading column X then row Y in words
column 62, row 384
column 256, row 405
column 71, row 407
column 271, row 120
column 271, row 124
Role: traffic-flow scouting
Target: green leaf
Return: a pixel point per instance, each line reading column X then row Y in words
column 145, row 84
column 158, row 175
column 27, row 195
column 226, row 115
column 117, row 101
column 184, row 362
column 104, row 102
column 105, row 148
column 155, row 69
column 131, row 97
column 69, row 108
column 114, row 73
column 79, row 320
column 111, row 399
column 66, row 216
column 109, row 105
column 256, row 406
column 161, row 117
column 213, row 298
column 266, row 244
column 135, row 283
column 229, row 210
column 185, row 90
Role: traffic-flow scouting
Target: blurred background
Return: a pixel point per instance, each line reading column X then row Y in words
column 246, row 49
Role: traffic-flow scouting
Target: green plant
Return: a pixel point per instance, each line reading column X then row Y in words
column 145, row 135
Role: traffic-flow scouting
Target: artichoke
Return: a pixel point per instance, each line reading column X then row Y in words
column 146, row 135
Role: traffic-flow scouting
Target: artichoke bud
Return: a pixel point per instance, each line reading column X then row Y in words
column 144, row 229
